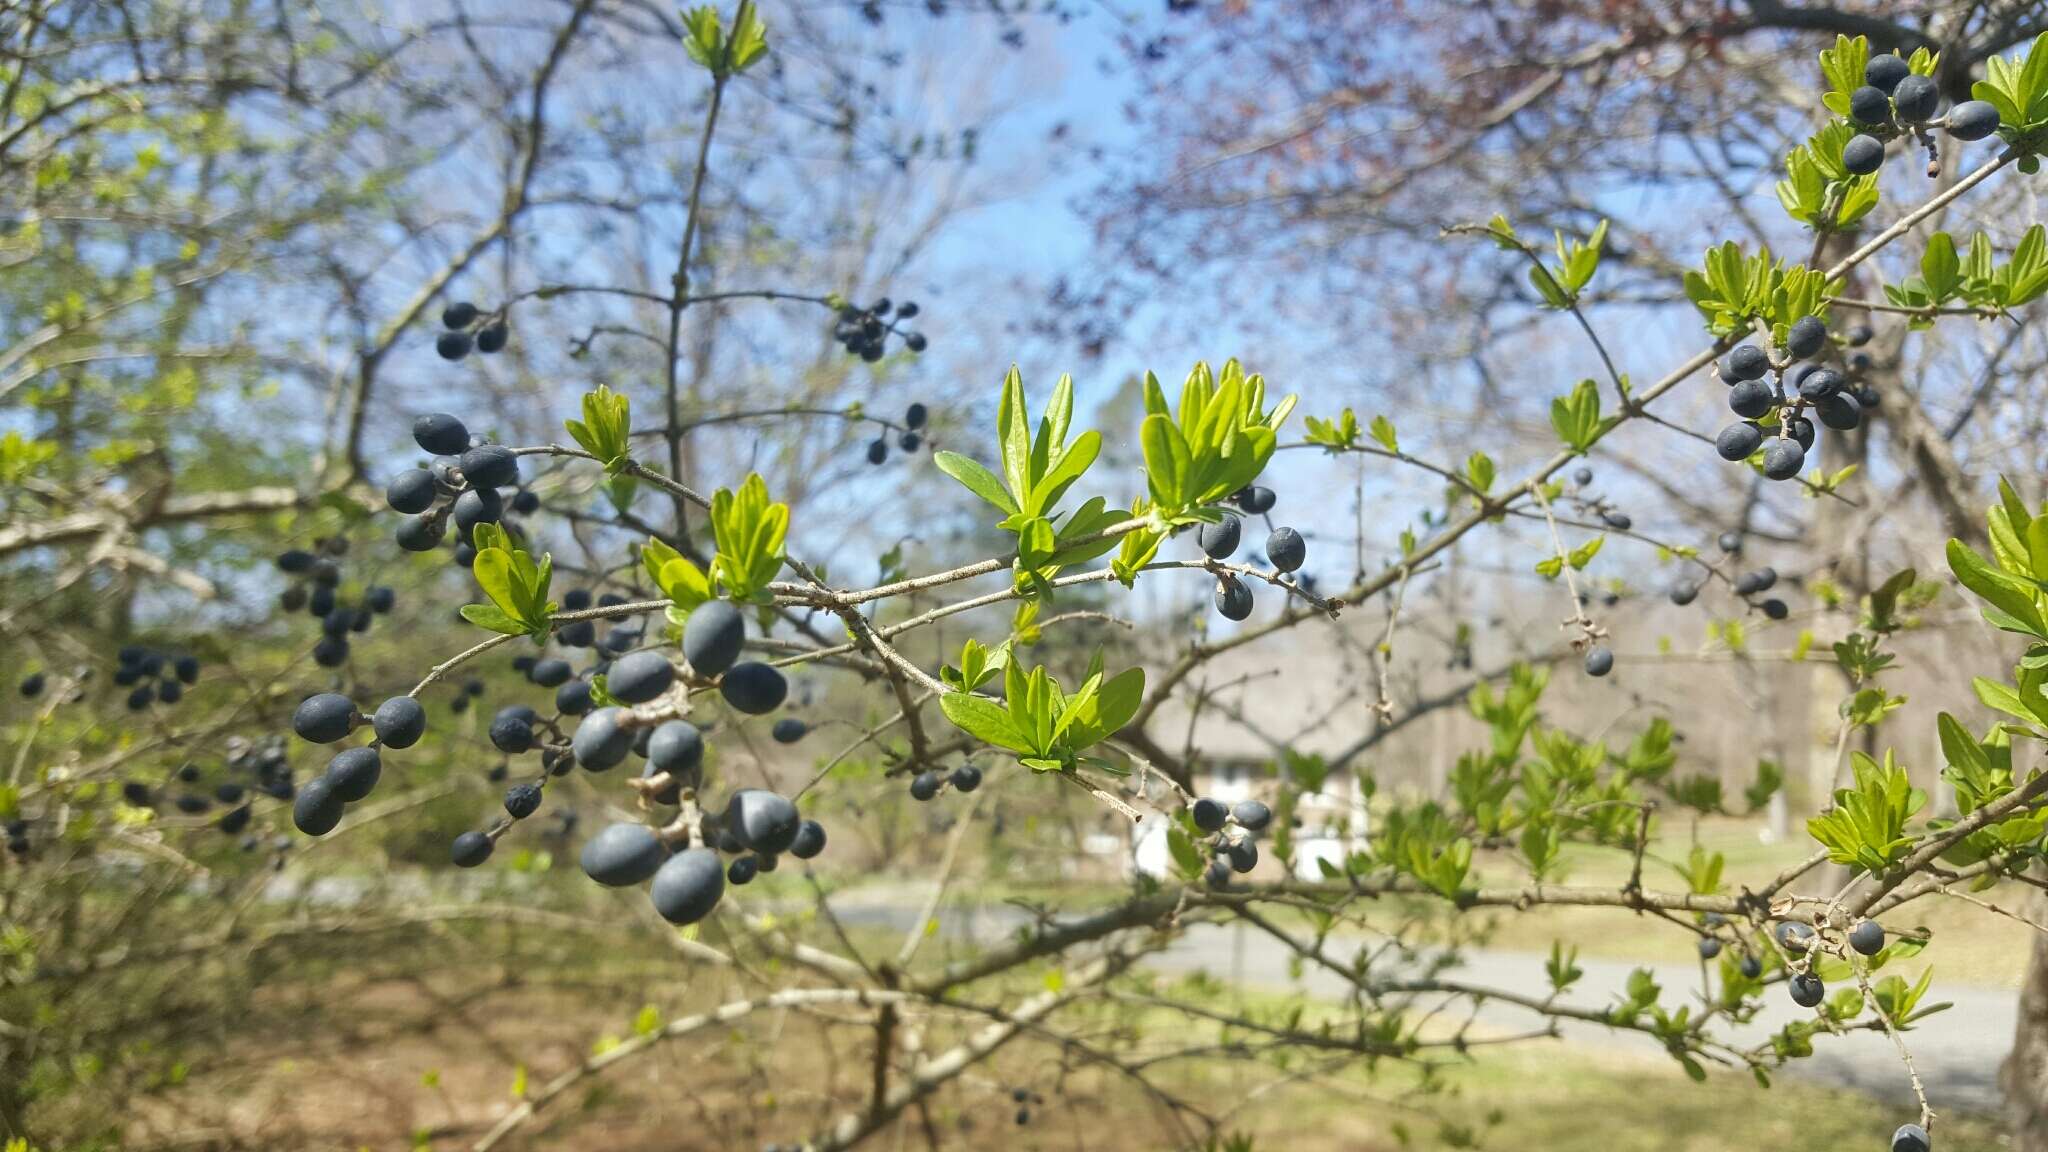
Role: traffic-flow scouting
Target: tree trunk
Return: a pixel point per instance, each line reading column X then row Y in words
column 2025, row 1075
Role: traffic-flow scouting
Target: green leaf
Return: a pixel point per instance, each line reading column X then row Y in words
column 1013, row 430
column 494, row 618
column 985, row 720
column 976, row 479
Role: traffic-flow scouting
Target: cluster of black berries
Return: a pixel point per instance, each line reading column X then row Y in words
column 466, row 326
column 463, row 484
column 152, row 677
column 1894, row 103
column 1024, row 1098
column 329, row 717
column 929, row 783
column 910, row 440
column 315, row 588
column 1230, row 836
column 1286, row 551
column 1777, row 391
column 864, row 332
column 249, row 767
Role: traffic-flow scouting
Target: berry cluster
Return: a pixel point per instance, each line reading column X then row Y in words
column 258, row 767
column 462, row 484
column 620, row 700
column 1775, row 391
column 465, row 327
column 1895, row 102
column 914, row 419
column 152, row 677
column 864, row 332
column 315, row 588
column 927, row 784
column 1286, row 551
column 1231, row 833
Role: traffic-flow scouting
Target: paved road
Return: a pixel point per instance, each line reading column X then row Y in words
column 1957, row 1051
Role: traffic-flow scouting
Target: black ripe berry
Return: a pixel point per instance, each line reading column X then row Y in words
column 422, row 533
column 400, row 722
column 491, row 339
column 1884, row 72
column 573, row 698
column 1760, row 580
column 1619, row 521
column 453, row 345
column 1684, row 592
column 1751, row 967
column 1242, row 854
column 1839, row 411
column 1256, row 500
column 622, row 854
column 810, row 840
column 1746, row 362
column 966, row 778
column 713, row 637
column 1783, row 459
column 764, row 821
column 324, row 718
column 293, row 560
column 1710, row 947
column 1972, row 120
column 317, row 809
column 914, row 417
column 460, row 314
column 512, row 729
column 1916, row 98
column 688, row 886
column 1731, row 543
column 1583, row 477
column 1209, row 815
column 1251, row 815
column 1867, row 938
column 1219, row 540
column 1806, row 337
column 1868, row 105
column 789, row 730
column 1819, row 383
column 924, row 786
column 551, row 672
column 470, row 849
column 909, row 441
column 1233, row 599
column 32, row 685
column 522, row 800
column 1862, row 155
column 477, row 506
column 640, row 677
column 1807, row 990
column 742, row 871
column 1599, row 661
column 676, row 748
column 353, row 773
column 441, row 434
column 1776, row 609
column 1286, row 549
column 753, row 688
column 878, row 450
column 1737, row 441
column 601, row 741
column 1910, row 1138
column 1750, row 399
column 1802, row 431
column 490, row 466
